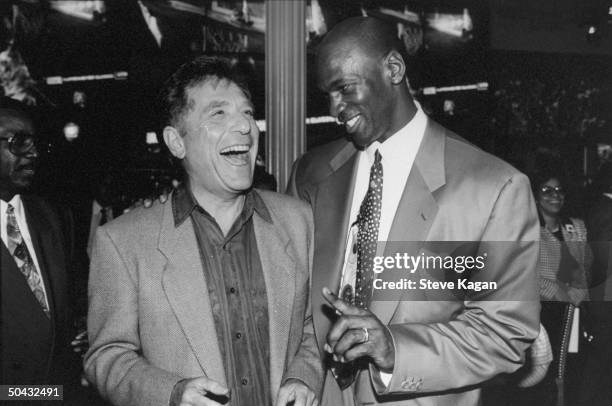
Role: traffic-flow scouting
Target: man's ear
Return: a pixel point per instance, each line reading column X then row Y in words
column 396, row 67
column 174, row 141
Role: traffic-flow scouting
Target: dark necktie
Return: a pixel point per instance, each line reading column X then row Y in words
column 368, row 222
column 18, row 249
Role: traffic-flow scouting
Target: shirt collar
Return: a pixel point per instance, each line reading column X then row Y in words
column 183, row 204
column 17, row 204
column 406, row 140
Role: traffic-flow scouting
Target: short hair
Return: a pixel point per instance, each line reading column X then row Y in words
column 174, row 100
column 15, row 108
column 547, row 168
column 370, row 34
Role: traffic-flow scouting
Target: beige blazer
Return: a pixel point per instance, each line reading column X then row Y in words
column 454, row 192
column 150, row 322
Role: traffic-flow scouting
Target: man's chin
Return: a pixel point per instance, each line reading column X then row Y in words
column 361, row 141
column 240, row 186
column 23, row 182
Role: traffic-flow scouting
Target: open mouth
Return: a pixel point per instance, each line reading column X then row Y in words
column 237, row 154
column 351, row 124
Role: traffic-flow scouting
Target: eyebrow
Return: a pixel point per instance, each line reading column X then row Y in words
column 220, row 103
column 213, row 105
column 335, row 85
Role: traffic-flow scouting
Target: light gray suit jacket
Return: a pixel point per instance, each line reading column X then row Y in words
column 150, row 322
column 455, row 192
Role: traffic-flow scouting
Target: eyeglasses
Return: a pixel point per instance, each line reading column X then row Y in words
column 550, row 190
column 21, row 143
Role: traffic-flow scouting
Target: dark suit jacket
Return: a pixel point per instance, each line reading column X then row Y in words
column 36, row 349
column 454, row 192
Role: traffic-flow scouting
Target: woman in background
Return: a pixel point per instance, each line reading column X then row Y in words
column 563, row 267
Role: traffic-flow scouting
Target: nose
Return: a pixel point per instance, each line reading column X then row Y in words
column 243, row 123
column 336, row 104
column 32, row 153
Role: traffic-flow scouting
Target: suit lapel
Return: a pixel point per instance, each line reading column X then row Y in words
column 333, row 209
column 414, row 216
column 279, row 274
column 186, row 290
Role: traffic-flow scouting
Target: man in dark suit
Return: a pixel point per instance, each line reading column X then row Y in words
column 404, row 178
column 35, row 255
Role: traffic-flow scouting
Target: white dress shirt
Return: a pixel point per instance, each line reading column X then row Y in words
column 23, row 228
column 397, row 157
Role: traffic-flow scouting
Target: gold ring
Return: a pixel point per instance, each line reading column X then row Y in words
column 366, row 335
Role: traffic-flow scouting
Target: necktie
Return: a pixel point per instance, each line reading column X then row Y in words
column 17, row 247
column 368, row 221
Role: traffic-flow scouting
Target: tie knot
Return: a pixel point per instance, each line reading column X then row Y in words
column 377, row 157
column 10, row 210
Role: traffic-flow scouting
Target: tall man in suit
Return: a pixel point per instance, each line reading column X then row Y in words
column 204, row 299
column 404, row 178
column 36, row 325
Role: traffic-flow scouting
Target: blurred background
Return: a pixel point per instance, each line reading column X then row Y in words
column 515, row 77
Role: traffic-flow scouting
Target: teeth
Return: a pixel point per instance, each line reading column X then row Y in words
column 352, row 121
column 236, row 149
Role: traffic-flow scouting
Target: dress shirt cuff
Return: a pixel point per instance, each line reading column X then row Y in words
column 386, row 378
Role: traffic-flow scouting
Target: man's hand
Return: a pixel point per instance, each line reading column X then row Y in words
column 80, row 343
column 297, row 392
column 199, row 392
column 358, row 333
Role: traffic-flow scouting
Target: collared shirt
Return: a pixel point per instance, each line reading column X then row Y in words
column 23, row 229
column 398, row 153
column 237, row 292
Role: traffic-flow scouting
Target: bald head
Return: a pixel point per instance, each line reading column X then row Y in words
column 373, row 37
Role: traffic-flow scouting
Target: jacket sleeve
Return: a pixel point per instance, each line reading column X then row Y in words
column 114, row 361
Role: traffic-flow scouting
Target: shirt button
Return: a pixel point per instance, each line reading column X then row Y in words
column 232, row 290
column 239, row 335
column 244, row 381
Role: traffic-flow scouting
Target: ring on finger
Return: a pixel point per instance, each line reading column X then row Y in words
column 366, row 335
